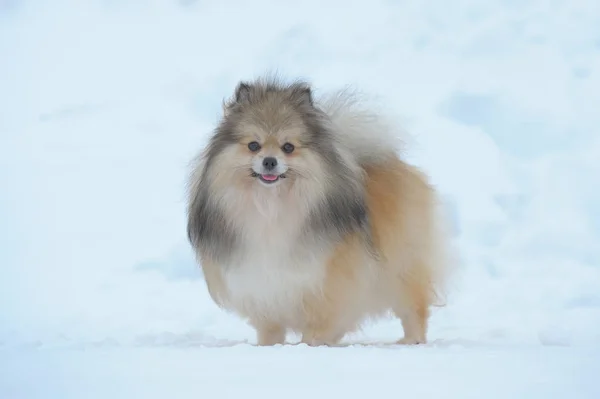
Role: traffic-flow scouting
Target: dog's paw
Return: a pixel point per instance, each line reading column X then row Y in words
column 411, row 341
column 314, row 341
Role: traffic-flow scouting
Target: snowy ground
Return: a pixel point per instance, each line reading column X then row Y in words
column 103, row 103
column 295, row 372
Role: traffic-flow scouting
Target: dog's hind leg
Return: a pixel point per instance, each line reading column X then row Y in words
column 412, row 308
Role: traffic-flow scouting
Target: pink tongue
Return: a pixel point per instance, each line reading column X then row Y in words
column 269, row 177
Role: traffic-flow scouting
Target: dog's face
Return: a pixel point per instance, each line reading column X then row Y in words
column 269, row 138
column 276, row 154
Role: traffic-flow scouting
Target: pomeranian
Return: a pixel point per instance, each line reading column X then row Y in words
column 304, row 217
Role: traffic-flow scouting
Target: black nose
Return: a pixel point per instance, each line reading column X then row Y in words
column 269, row 163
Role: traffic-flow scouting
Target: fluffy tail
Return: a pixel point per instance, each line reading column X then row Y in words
column 367, row 135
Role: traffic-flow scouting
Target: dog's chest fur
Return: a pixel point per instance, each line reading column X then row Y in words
column 268, row 280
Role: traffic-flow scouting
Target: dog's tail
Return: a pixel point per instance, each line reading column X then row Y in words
column 368, row 135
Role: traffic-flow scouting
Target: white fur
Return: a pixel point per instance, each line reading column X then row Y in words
column 367, row 135
column 266, row 287
column 266, row 281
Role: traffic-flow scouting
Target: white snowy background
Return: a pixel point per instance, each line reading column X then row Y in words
column 103, row 103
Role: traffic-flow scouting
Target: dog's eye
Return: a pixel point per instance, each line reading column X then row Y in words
column 253, row 146
column 288, row 148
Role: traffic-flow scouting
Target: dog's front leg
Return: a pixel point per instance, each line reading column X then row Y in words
column 269, row 334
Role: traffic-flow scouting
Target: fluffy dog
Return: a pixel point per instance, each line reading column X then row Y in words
column 304, row 218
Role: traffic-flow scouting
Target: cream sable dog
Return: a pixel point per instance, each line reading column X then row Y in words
column 305, row 219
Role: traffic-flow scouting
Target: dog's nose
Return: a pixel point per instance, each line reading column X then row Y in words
column 269, row 163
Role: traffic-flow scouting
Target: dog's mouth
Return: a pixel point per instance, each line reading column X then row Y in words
column 268, row 178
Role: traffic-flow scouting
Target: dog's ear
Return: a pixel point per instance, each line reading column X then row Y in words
column 303, row 94
column 242, row 92
column 307, row 95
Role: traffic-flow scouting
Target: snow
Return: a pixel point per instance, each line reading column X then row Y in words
column 296, row 372
column 103, row 104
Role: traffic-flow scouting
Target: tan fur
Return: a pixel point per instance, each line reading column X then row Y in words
column 328, row 295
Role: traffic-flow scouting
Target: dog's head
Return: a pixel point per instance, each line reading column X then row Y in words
column 271, row 135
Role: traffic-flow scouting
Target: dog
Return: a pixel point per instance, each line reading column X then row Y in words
column 304, row 218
